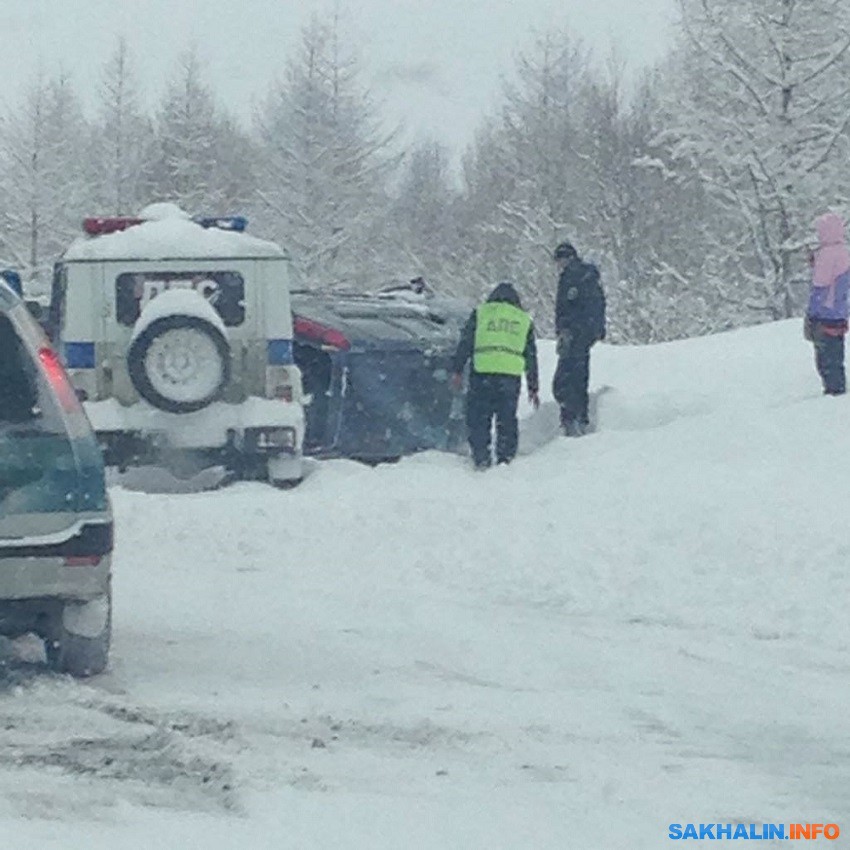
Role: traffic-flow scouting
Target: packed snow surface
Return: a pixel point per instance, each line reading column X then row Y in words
column 644, row 626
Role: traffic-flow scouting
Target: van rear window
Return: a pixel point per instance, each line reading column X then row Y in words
column 224, row 290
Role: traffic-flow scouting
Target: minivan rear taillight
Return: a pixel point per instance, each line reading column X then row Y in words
column 82, row 560
column 58, row 379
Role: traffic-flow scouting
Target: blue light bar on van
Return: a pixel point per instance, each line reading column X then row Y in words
column 236, row 223
column 13, row 279
column 280, row 352
column 78, row 355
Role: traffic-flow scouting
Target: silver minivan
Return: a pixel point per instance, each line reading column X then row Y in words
column 55, row 516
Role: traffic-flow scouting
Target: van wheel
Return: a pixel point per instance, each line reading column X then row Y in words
column 79, row 639
column 179, row 363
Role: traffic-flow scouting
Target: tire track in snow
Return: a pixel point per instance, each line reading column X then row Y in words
column 109, row 749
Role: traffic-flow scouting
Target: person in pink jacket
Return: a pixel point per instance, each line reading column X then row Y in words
column 826, row 314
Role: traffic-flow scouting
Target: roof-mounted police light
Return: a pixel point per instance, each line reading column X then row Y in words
column 236, row 223
column 100, row 226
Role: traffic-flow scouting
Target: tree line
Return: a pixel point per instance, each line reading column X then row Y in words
column 693, row 187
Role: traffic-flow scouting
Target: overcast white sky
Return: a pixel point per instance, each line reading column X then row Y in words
column 436, row 64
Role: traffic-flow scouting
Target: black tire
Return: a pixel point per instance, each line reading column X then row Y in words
column 77, row 655
column 137, row 357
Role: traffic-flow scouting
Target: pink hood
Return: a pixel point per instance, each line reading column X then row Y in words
column 832, row 258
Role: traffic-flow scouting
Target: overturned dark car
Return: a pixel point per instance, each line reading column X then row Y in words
column 377, row 367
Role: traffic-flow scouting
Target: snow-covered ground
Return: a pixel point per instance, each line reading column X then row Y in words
column 644, row 626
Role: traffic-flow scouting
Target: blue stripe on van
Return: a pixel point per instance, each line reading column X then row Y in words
column 280, row 352
column 78, row 355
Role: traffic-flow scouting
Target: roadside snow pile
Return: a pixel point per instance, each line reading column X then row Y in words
column 751, row 369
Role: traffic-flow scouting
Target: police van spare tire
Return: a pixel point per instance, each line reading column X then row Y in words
column 179, row 356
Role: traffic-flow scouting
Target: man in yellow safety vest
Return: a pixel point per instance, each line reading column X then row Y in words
column 499, row 339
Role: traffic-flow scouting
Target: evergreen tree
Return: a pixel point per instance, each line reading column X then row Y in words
column 202, row 161
column 123, row 138
column 324, row 164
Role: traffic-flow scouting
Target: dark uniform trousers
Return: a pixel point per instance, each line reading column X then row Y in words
column 570, row 383
column 489, row 397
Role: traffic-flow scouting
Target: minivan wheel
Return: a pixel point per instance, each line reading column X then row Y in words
column 179, row 363
column 79, row 638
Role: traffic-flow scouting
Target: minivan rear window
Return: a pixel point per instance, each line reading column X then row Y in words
column 225, row 291
column 18, row 389
column 39, row 469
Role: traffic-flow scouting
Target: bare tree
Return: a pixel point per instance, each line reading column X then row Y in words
column 761, row 111
column 44, row 177
column 525, row 176
column 424, row 217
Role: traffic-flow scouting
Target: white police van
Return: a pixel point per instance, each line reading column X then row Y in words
column 177, row 335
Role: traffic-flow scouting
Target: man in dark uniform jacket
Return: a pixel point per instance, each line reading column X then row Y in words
column 579, row 323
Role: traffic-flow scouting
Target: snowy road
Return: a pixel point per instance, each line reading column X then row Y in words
column 642, row 627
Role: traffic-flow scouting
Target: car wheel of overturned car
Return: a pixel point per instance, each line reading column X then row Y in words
column 179, row 363
column 79, row 637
